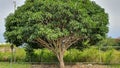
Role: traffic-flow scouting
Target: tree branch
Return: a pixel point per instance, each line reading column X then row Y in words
column 43, row 43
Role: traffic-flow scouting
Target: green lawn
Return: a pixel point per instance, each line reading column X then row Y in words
column 14, row 65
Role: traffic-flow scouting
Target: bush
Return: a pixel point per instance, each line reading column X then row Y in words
column 20, row 54
column 111, row 56
column 43, row 55
column 5, row 56
column 116, row 56
column 47, row 56
column 91, row 54
column 71, row 55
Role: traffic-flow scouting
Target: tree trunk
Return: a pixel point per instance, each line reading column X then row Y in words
column 61, row 61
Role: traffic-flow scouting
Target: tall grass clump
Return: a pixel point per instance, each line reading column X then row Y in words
column 90, row 54
column 110, row 56
column 72, row 55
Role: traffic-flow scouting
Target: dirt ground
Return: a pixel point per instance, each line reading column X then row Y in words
column 70, row 66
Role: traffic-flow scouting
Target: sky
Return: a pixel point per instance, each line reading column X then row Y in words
column 111, row 7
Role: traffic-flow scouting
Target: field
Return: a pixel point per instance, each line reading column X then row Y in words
column 14, row 65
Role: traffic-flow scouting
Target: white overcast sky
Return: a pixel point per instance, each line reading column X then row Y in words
column 112, row 7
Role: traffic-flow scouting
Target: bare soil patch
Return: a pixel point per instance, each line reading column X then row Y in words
column 78, row 65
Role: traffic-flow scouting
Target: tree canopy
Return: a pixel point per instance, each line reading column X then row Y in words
column 54, row 23
column 53, row 19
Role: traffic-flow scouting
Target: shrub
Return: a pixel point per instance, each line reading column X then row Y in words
column 111, row 56
column 90, row 54
column 71, row 55
column 107, row 56
column 47, row 56
column 116, row 56
column 20, row 54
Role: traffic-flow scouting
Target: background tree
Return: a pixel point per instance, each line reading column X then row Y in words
column 56, row 24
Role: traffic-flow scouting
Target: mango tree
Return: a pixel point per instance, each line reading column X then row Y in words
column 56, row 24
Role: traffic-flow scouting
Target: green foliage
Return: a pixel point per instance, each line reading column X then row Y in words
column 107, row 42
column 72, row 55
column 52, row 19
column 29, row 53
column 91, row 54
column 20, row 54
column 41, row 55
column 5, row 56
column 108, row 56
column 47, row 56
column 115, row 56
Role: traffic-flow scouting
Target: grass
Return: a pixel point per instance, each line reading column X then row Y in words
column 14, row 65
column 114, row 66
